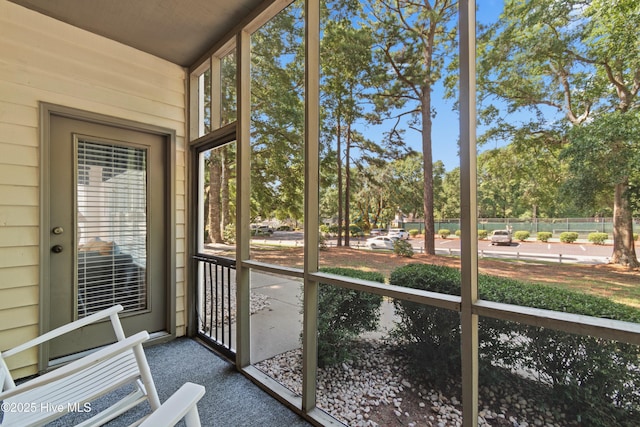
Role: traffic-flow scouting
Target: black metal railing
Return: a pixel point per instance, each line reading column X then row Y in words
column 216, row 301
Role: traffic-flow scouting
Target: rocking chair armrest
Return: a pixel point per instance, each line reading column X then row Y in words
column 104, row 354
column 181, row 404
column 109, row 312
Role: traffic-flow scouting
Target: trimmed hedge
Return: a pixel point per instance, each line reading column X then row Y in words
column 544, row 236
column 414, row 232
column 596, row 379
column 568, row 237
column 444, row 233
column 521, row 235
column 597, row 238
column 343, row 314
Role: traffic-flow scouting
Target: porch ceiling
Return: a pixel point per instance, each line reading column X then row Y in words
column 176, row 30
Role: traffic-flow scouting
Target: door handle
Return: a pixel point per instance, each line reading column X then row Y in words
column 57, row 249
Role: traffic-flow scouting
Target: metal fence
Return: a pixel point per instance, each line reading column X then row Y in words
column 582, row 226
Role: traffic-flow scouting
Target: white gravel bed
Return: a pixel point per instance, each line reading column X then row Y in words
column 353, row 391
column 257, row 302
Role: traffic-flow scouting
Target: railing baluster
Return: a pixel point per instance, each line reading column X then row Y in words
column 218, row 283
column 217, row 272
column 229, row 303
column 211, row 306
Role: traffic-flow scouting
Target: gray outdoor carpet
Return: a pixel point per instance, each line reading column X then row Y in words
column 231, row 400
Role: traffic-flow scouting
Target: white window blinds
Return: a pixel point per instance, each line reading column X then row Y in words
column 111, row 201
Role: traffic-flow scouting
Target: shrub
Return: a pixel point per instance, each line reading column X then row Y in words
column 568, row 237
column 592, row 376
column 344, row 314
column 444, row 233
column 635, row 236
column 544, row 236
column 355, row 231
column 521, row 235
column 414, row 232
column 429, row 333
column 229, row 233
column 482, row 234
column 458, row 233
column 324, row 229
column 322, row 242
column 595, row 379
column 403, row 248
column 597, row 238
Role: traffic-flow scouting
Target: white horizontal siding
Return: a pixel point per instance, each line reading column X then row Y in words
column 42, row 59
column 22, row 155
column 20, row 365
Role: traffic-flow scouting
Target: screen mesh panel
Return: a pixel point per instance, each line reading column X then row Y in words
column 111, row 200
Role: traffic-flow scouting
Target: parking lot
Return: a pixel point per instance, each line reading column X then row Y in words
column 580, row 251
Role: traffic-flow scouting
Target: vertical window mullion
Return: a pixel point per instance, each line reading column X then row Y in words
column 469, row 240
column 311, row 202
column 243, row 202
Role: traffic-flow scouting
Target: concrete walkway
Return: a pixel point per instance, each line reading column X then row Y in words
column 277, row 328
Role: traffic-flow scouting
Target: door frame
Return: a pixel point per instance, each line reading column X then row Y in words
column 47, row 111
column 215, row 139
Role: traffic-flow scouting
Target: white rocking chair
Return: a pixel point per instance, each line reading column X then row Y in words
column 75, row 386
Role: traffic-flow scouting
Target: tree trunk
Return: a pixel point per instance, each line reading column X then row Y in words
column 215, row 184
column 624, row 252
column 340, row 208
column 347, row 188
column 224, row 192
column 429, row 222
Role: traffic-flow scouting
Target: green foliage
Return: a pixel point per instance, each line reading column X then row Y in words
column 412, row 65
column 612, row 140
column 414, row 232
column 429, row 333
column 444, row 233
column 403, row 248
column 322, row 242
column 277, row 126
column 355, row 230
column 324, row 229
column 568, row 237
column 482, row 234
column 635, row 236
column 229, row 233
column 343, row 314
column 597, row 238
column 447, row 199
column 544, row 236
column 458, row 233
column 521, row 235
column 591, row 49
column 594, row 378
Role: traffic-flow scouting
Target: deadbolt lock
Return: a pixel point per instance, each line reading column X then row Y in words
column 57, row 230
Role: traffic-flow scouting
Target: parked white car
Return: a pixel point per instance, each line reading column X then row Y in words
column 381, row 242
column 501, row 237
column 401, row 233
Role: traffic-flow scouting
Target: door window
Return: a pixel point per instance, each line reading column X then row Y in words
column 111, row 201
